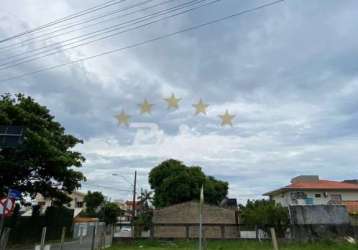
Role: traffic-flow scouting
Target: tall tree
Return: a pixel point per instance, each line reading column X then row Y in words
column 173, row 182
column 93, row 200
column 145, row 198
column 45, row 162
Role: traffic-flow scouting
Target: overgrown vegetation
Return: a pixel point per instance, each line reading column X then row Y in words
column 232, row 245
column 265, row 214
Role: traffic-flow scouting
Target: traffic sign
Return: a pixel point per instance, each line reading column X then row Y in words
column 14, row 194
column 9, row 203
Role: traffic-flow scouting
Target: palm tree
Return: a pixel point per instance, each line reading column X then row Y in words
column 145, row 198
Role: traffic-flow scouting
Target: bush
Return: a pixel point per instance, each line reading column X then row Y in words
column 265, row 214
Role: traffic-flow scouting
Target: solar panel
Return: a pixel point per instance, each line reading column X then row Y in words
column 10, row 136
column 11, row 130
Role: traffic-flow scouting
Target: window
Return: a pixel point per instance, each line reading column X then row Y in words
column 317, row 195
column 309, row 201
column 79, row 204
column 336, row 197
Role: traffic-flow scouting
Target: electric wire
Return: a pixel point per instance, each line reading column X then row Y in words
column 148, row 41
column 104, row 31
column 64, row 19
column 29, row 40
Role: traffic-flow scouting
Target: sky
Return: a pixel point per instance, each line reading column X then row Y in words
column 288, row 72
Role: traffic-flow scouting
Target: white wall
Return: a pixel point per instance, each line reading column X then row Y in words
column 285, row 198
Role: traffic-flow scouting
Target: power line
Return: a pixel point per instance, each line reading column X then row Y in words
column 108, row 187
column 147, row 41
column 11, row 63
column 124, row 178
column 64, row 19
column 28, row 41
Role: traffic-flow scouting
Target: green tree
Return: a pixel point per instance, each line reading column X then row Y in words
column 110, row 212
column 93, row 200
column 143, row 220
column 173, row 183
column 265, row 214
column 145, row 198
column 45, row 162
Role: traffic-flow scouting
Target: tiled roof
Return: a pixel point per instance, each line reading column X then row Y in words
column 317, row 185
column 323, row 184
column 352, row 206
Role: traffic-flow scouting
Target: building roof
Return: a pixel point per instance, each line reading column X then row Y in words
column 316, row 185
column 85, row 219
column 352, row 206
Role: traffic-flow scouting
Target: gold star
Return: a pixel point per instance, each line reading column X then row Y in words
column 172, row 101
column 123, row 118
column 145, row 107
column 226, row 119
column 200, row 107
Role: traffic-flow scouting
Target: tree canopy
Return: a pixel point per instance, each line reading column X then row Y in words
column 45, row 162
column 173, row 182
column 93, row 200
column 110, row 212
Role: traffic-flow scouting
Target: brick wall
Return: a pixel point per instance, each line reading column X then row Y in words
column 188, row 213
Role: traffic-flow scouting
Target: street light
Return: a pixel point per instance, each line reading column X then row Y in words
column 11, row 136
column 134, row 185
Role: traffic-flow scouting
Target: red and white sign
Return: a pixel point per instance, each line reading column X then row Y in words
column 9, row 203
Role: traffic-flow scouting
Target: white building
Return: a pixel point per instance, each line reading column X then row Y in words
column 77, row 202
column 310, row 190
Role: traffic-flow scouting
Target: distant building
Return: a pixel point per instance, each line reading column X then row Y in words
column 310, row 190
column 121, row 204
column 181, row 221
column 229, row 203
column 77, row 202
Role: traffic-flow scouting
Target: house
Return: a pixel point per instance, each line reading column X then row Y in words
column 311, row 190
column 229, row 203
column 77, row 202
column 129, row 208
column 181, row 221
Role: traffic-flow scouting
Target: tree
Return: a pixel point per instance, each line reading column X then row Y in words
column 145, row 198
column 110, row 212
column 173, row 183
column 93, row 201
column 265, row 213
column 45, row 162
column 143, row 220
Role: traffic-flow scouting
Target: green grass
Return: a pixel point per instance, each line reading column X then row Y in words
column 230, row 245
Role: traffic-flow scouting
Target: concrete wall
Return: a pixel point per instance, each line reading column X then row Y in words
column 188, row 213
column 319, row 214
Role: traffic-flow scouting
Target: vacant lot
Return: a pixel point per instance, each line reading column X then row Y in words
column 228, row 245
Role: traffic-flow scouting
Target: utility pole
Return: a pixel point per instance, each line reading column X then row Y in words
column 134, row 201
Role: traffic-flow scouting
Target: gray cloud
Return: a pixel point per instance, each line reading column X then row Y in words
column 288, row 72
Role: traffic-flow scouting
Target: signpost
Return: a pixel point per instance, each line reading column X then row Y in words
column 201, row 204
column 7, row 205
column 10, row 137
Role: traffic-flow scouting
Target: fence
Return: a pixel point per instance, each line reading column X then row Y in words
column 241, row 231
column 95, row 236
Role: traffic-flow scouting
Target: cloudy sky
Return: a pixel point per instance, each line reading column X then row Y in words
column 288, row 72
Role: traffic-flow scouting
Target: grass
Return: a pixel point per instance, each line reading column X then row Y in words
column 230, row 245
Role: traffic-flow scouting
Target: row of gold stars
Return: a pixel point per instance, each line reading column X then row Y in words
column 173, row 103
